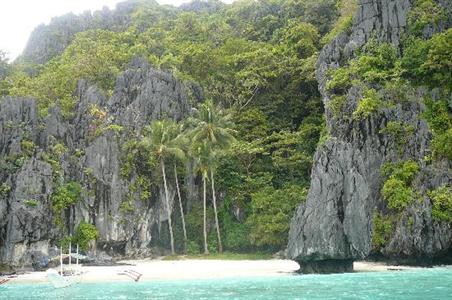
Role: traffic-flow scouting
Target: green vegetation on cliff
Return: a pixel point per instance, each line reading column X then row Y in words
column 256, row 61
column 64, row 196
column 399, row 84
column 84, row 234
column 442, row 203
column 382, row 230
column 397, row 188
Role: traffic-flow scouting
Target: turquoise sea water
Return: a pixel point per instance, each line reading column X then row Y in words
column 433, row 283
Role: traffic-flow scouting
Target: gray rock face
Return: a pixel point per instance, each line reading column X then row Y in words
column 137, row 100
column 335, row 223
column 48, row 41
column 27, row 221
column 28, row 227
column 334, row 226
column 386, row 19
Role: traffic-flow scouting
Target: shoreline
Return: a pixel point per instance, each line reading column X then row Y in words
column 193, row 269
column 372, row 266
column 189, row 269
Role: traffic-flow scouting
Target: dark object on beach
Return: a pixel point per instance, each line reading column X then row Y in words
column 8, row 278
column 6, row 270
column 40, row 263
column 104, row 263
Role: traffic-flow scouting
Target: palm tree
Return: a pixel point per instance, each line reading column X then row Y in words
column 180, row 142
column 181, row 208
column 213, row 130
column 202, row 155
column 213, row 126
column 160, row 141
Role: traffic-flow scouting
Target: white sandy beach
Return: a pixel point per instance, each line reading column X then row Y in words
column 368, row 266
column 196, row 269
column 177, row 270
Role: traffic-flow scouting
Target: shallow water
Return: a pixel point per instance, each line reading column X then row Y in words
column 435, row 283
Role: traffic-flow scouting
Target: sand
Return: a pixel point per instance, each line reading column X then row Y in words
column 177, row 270
column 367, row 266
column 152, row 270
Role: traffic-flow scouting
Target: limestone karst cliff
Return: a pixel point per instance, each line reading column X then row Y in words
column 371, row 94
column 27, row 220
column 339, row 222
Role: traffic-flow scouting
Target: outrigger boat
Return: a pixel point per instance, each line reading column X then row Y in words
column 66, row 276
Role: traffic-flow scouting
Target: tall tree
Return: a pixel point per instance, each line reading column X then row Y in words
column 160, row 141
column 180, row 142
column 213, row 131
column 181, row 207
column 201, row 155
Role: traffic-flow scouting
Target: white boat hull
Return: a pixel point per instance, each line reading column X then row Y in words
column 57, row 280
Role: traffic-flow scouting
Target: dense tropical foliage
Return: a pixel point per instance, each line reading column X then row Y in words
column 253, row 142
column 255, row 60
column 390, row 79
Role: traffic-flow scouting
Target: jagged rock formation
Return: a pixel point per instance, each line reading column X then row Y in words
column 334, row 226
column 48, row 41
column 91, row 158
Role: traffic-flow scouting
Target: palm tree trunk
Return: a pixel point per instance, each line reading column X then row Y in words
column 220, row 246
column 206, row 250
column 181, row 209
column 162, row 165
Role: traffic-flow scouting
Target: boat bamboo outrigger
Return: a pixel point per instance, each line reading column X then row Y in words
column 66, row 277
column 132, row 274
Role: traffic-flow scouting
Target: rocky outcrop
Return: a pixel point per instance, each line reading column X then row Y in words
column 29, row 166
column 48, row 41
column 335, row 220
column 335, row 224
